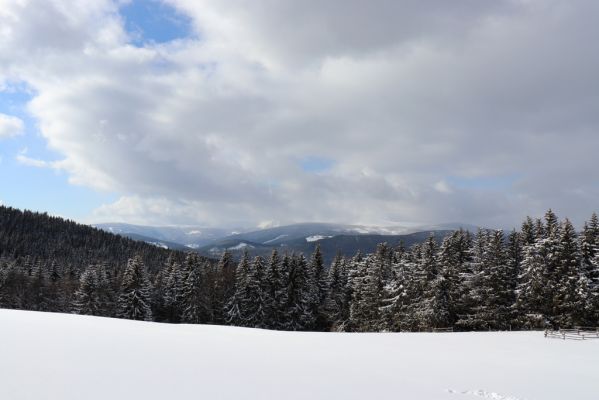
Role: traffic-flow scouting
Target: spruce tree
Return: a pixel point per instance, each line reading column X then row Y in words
column 256, row 312
column 134, row 296
column 87, row 297
column 237, row 305
column 572, row 290
column 172, row 292
column 299, row 295
column 318, row 282
column 452, row 258
column 336, row 301
column 275, row 291
column 424, row 276
column 224, row 286
column 194, row 303
column 589, row 247
column 367, row 296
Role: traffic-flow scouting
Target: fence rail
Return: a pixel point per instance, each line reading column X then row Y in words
column 442, row 329
column 576, row 333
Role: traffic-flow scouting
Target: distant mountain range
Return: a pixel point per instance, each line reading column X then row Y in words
column 303, row 237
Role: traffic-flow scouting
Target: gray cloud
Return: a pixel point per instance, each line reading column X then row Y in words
column 407, row 98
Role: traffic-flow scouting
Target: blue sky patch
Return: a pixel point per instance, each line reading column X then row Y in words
column 34, row 188
column 152, row 21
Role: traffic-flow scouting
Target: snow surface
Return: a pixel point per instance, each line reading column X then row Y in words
column 240, row 246
column 158, row 244
column 69, row 357
column 315, row 238
column 275, row 239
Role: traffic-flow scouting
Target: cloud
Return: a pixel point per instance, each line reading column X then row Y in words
column 32, row 162
column 10, row 126
column 400, row 94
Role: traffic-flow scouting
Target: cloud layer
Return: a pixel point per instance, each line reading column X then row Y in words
column 10, row 126
column 478, row 111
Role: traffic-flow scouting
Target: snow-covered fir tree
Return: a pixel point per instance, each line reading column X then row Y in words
column 275, row 291
column 224, row 286
column 172, row 291
column 299, row 295
column 367, row 296
column 134, row 297
column 195, row 309
column 337, row 299
column 319, row 285
column 571, row 283
column 236, row 308
column 87, row 297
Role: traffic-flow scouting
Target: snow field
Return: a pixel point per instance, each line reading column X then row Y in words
column 63, row 357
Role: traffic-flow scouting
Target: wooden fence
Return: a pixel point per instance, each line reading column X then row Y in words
column 442, row 329
column 577, row 333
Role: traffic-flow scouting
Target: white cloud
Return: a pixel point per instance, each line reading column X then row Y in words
column 32, row 162
column 10, row 126
column 400, row 95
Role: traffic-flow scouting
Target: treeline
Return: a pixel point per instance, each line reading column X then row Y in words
column 546, row 274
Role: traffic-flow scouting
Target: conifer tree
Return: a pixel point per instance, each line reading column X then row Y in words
column 492, row 287
column 571, row 286
column 275, row 291
column 105, row 291
column 452, row 258
column 173, row 291
column 528, row 232
column 299, row 295
column 337, row 302
column 367, row 296
column 237, row 305
column 318, row 283
column 425, row 274
column 194, row 303
column 256, row 315
column 224, row 286
column 134, row 297
column 540, row 275
column 436, row 307
column 589, row 247
column 87, row 297
column 40, row 299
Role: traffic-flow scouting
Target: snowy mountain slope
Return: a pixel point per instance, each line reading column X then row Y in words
column 346, row 244
column 183, row 235
column 301, row 237
column 67, row 357
column 196, row 237
column 157, row 242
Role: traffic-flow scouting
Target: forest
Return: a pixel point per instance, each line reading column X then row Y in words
column 544, row 275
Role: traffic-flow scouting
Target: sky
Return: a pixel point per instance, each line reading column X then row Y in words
column 262, row 112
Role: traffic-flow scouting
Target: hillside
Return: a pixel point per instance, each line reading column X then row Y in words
column 48, row 238
column 69, row 357
column 345, row 244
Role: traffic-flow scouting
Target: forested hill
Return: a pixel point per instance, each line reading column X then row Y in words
column 54, row 239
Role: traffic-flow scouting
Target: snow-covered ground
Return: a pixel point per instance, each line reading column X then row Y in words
column 315, row 238
column 59, row 356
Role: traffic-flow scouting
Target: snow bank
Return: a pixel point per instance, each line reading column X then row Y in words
column 58, row 356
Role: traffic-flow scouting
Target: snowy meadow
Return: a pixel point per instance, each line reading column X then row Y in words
column 63, row 357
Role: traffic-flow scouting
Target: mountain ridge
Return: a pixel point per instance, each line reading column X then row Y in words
column 299, row 237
